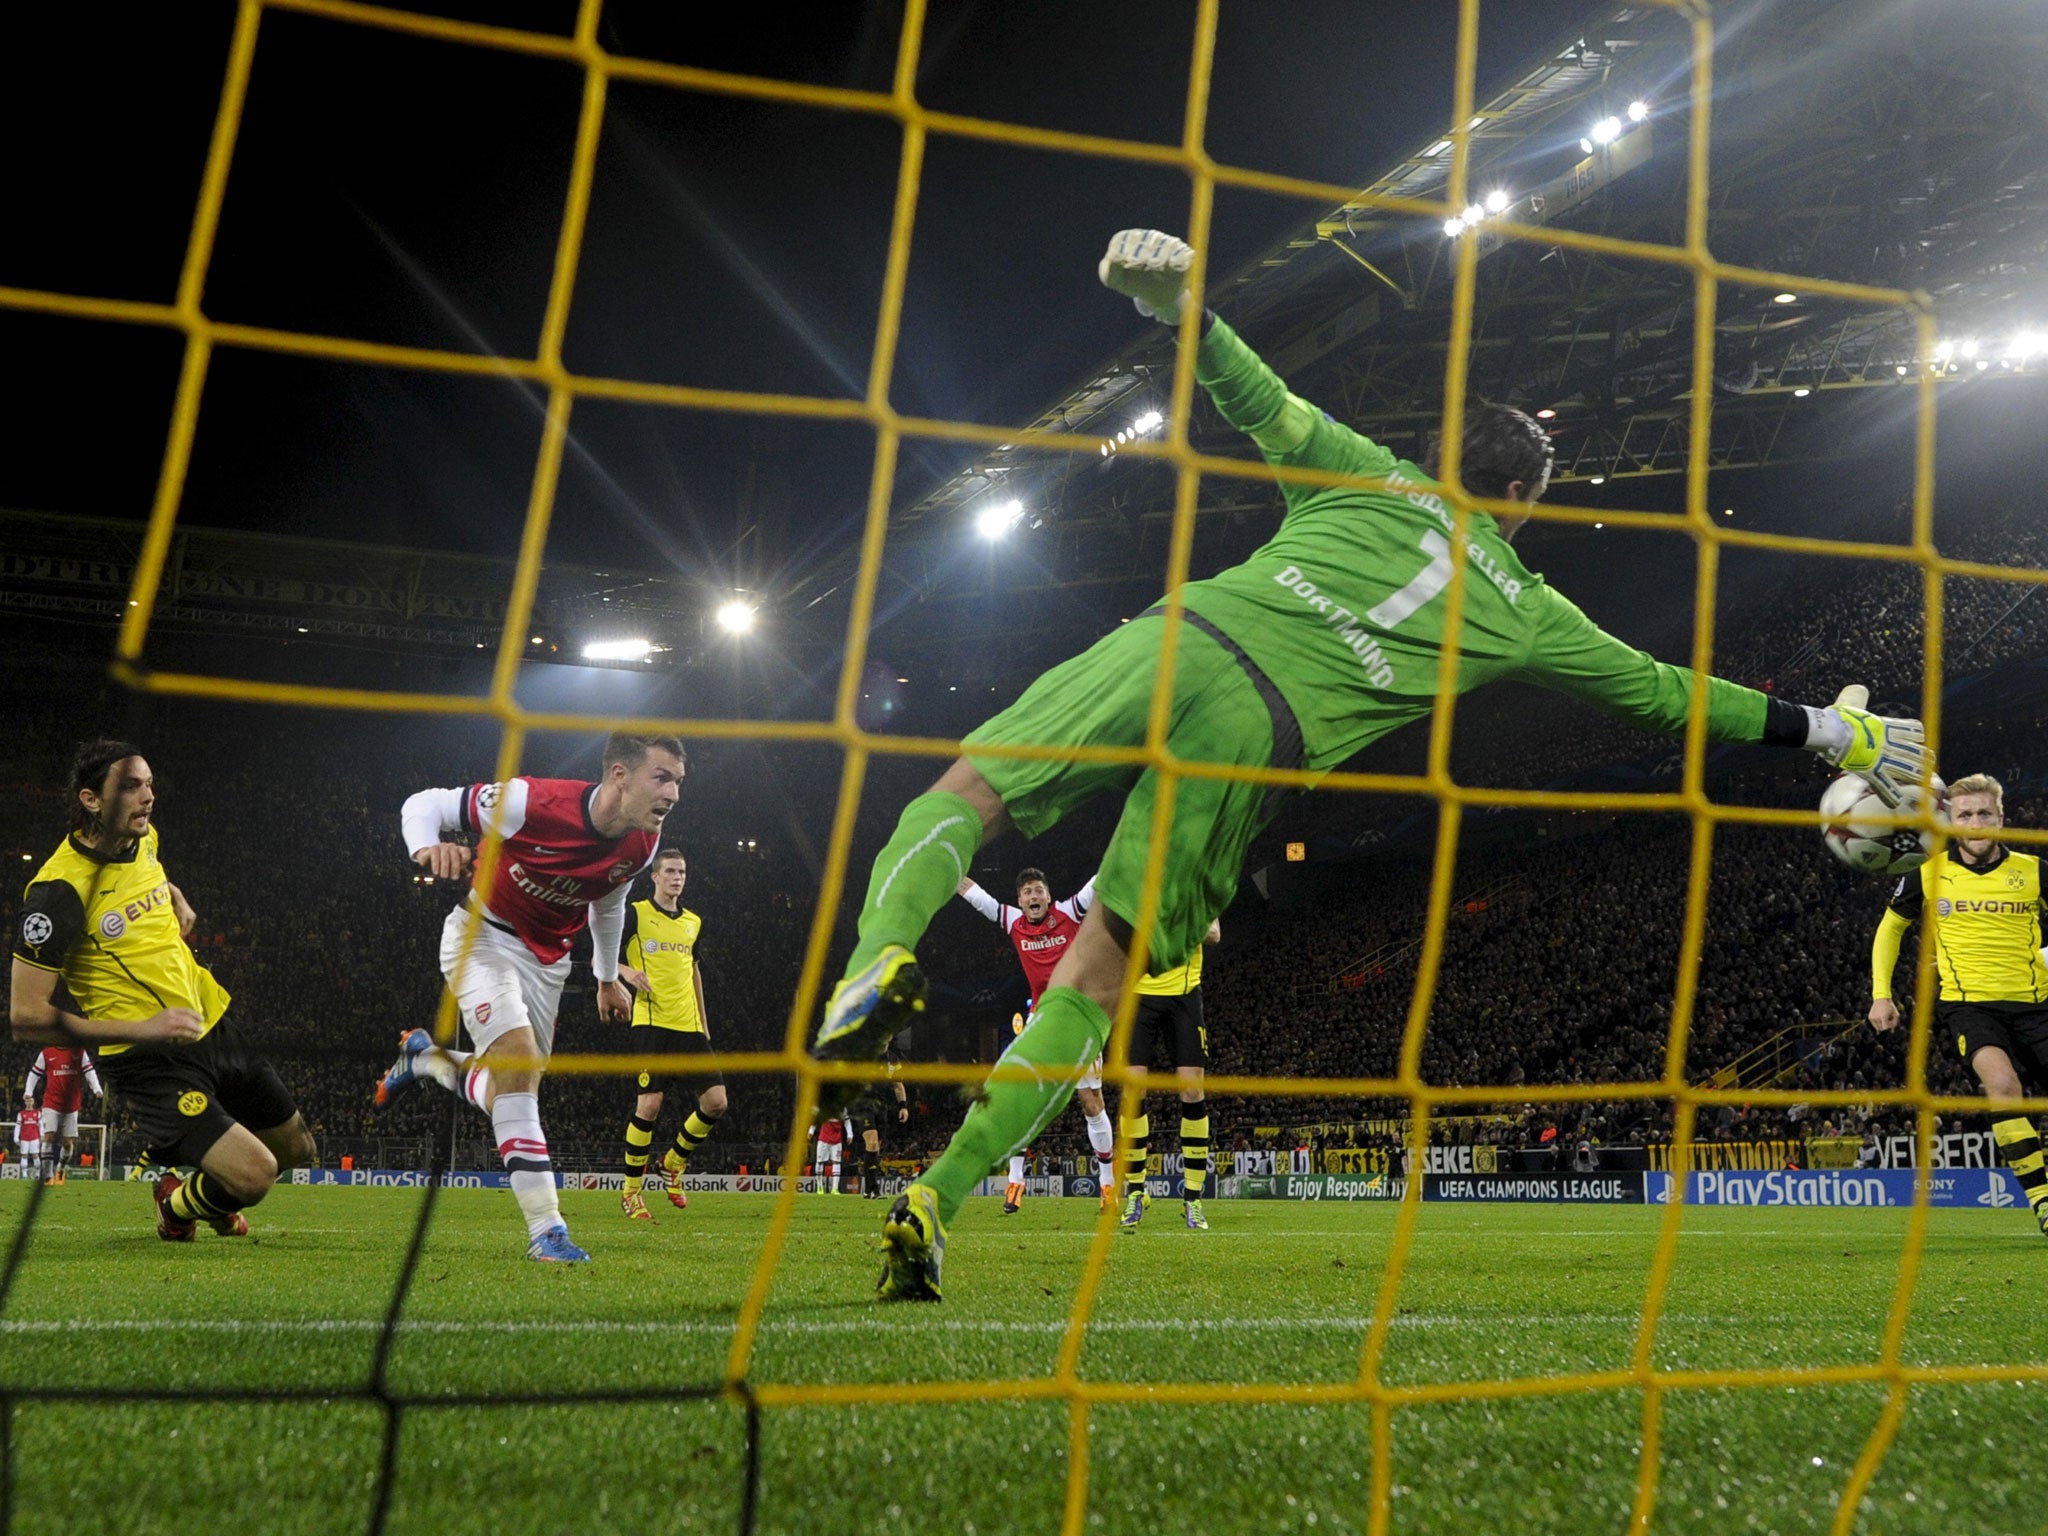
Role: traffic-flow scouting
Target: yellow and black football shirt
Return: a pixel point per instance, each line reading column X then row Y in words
column 664, row 945
column 105, row 924
column 1178, row 982
column 1987, row 930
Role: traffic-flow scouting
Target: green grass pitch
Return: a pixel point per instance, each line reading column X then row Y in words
column 1274, row 1292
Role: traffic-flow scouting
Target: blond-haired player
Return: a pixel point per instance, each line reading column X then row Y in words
column 1993, row 998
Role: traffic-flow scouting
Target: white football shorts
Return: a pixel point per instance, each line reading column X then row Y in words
column 1092, row 1078
column 503, row 984
column 59, row 1123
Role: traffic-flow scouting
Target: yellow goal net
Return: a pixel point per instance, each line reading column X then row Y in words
column 1066, row 1384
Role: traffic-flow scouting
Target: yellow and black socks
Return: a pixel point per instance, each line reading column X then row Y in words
column 1138, row 1135
column 639, row 1142
column 203, row 1198
column 692, row 1136
column 1194, row 1146
column 2021, row 1143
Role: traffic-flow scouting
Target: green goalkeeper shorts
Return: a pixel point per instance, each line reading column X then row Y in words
column 1224, row 710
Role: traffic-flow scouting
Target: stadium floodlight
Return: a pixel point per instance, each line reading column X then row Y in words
column 1901, row 370
column 1453, row 228
column 1801, row 392
column 1944, row 350
column 1496, row 201
column 618, row 650
column 1784, row 298
column 1147, row 422
column 735, row 616
column 2026, row 344
column 1596, row 479
column 1638, row 110
column 1607, row 130
column 1545, row 414
column 1474, row 213
column 992, row 522
column 1585, row 146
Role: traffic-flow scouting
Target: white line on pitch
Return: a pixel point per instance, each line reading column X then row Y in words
column 801, row 1326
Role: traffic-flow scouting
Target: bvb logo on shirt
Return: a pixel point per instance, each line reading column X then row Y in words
column 192, row 1103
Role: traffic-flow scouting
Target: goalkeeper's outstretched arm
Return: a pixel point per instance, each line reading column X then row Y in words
column 1151, row 268
column 1575, row 656
column 1571, row 653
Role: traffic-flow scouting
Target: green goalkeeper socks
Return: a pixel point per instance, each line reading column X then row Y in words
column 1065, row 1034
column 916, row 874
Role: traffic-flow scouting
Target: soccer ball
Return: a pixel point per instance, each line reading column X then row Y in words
column 1851, row 822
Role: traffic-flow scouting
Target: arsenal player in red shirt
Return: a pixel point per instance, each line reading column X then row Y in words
column 58, row 1082
column 1042, row 928
column 571, row 851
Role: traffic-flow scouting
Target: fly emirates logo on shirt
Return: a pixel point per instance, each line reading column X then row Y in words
column 1050, row 941
column 1432, row 579
column 561, row 890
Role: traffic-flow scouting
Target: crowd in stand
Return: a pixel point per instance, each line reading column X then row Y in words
column 283, row 831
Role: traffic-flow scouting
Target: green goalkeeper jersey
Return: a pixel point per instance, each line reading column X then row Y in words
column 1344, row 607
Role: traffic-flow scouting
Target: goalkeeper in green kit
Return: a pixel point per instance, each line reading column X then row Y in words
column 1324, row 640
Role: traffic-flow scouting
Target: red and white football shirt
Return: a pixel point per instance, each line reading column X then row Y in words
column 1041, row 944
column 28, row 1130
column 59, row 1077
column 554, row 862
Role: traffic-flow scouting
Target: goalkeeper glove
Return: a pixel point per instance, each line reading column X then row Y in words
column 1151, row 270
column 1891, row 755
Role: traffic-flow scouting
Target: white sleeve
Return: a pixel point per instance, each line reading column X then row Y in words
column 1076, row 906
column 92, row 1076
column 34, row 1086
column 479, row 808
column 983, row 903
column 428, row 814
column 607, row 928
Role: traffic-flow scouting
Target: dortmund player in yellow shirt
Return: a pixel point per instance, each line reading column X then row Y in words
column 659, row 961
column 1169, row 1022
column 103, row 917
column 1993, row 998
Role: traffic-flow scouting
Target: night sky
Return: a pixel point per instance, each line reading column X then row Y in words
column 409, row 191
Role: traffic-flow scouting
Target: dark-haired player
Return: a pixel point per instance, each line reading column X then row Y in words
column 1041, row 929
column 869, row 1114
column 102, row 916
column 571, row 851
column 1325, row 639
column 669, row 1019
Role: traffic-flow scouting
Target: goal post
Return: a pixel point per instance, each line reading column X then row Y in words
column 92, row 1143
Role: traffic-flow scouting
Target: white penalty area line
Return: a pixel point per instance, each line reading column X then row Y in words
column 1357, row 1323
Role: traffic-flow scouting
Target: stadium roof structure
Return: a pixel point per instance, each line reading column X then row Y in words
column 1862, row 140
column 1886, row 144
